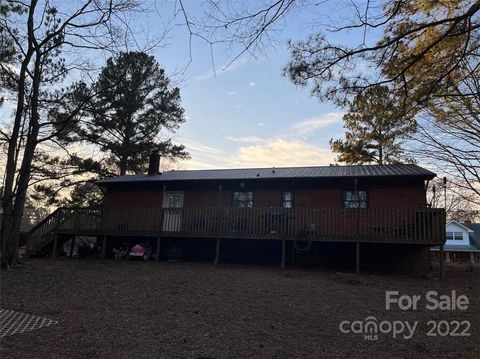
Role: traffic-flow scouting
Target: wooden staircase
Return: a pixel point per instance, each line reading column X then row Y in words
column 43, row 233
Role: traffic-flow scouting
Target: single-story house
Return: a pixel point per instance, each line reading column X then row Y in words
column 376, row 213
column 462, row 242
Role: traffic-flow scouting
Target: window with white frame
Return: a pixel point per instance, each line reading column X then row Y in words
column 355, row 199
column 287, row 199
column 454, row 236
column 243, row 199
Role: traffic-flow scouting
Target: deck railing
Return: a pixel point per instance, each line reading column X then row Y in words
column 394, row 225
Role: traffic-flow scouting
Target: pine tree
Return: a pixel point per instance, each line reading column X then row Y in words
column 375, row 126
column 135, row 103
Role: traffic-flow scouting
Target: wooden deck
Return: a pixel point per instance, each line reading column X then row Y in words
column 374, row 225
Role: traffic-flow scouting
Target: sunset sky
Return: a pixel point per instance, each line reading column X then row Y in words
column 246, row 114
column 249, row 114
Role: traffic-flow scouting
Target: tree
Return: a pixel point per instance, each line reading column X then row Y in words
column 135, row 103
column 458, row 203
column 449, row 134
column 39, row 32
column 417, row 54
column 413, row 45
column 375, row 126
column 7, row 47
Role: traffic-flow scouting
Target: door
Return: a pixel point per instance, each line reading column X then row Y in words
column 172, row 216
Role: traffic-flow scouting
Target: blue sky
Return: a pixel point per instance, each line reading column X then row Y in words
column 248, row 115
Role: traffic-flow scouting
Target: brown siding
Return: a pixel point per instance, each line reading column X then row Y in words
column 325, row 198
column 135, row 199
column 379, row 196
column 267, row 198
column 201, row 198
column 397, row 197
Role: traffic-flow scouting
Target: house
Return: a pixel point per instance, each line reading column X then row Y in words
column 376, row 214
column 462, row 242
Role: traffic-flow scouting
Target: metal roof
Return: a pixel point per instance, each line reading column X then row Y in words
column 397, row 170
column 457, row 248
column 475, row 236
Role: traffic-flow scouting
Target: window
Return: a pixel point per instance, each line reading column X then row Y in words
column 243, row 199
column 454, row 236
column 174, row 200
column 355, row 199
column 287, row 200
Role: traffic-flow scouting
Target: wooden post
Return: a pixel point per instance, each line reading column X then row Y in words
column 283, row 253
column 72, row 246
column 219, row 196
column 157, row 253
column 104, row 247
column 441, row 259
column 217, row 252
column 55, row 245
column 357, row 257
column 217, row 244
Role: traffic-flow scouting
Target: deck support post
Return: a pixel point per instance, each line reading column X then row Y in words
column 283, row 253
column 55, row 245
column 357, row 257
column 217, row 252
column 72, row 246
column 441, row 259
column 104, row 247
column 157, row 252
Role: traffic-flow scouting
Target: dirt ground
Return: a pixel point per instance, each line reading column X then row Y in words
column 128, row 309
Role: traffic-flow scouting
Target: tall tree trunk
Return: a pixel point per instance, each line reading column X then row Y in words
column 8, row 248
column 26, row 167
column 123, row 165
column 22, row 187
column 380, row 153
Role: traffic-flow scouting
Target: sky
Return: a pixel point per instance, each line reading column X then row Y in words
column 246, row 114
column 249, row 114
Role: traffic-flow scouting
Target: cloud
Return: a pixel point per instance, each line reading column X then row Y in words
column 220, row 70
column 203, row 156
column 257, row 152
column 231, row 93
column 261, row 124
column 246, row 139
column 281, row 152
column 197, row 147
column 252, row 84
column 313, row 124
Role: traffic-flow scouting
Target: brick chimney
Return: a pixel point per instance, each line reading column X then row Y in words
column 154, row 163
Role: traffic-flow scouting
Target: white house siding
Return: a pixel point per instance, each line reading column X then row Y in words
column 454, row 227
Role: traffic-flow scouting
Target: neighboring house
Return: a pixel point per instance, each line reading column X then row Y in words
column 462, row 242
column 380, row 208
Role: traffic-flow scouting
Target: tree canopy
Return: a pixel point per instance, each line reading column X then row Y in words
column 375, row 126
column 35, row 35
column 418, row 53
column 135, row 103
column 449, row 135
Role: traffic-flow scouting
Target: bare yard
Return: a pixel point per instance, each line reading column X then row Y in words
column 128, row 309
